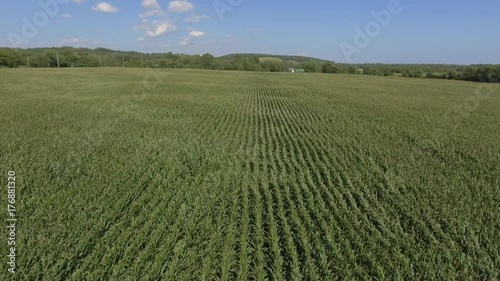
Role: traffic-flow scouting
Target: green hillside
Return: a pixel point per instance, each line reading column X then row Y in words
column 298, row 59
column 263, row 59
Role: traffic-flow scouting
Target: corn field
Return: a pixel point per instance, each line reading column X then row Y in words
column 128, row 174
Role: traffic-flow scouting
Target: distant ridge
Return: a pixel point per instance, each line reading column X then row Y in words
column 298, row 59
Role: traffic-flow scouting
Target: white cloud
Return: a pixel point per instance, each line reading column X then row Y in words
column 72, row 40
column 186, row 41
column 79, row 1
column 196, row 18
column 105, row 7
column 162, row 27
column 66, row 16
column 152, row 8
column 156, row 28
column 151, row 13
column 150, row 4
column 192, row 36
column 197, row 34
column 180, row 6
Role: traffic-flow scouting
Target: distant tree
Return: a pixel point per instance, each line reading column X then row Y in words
column 311, row 66
column 252, row 64
column 431, row 75
column 194, row 61
column 69, row 58
column 227, row 65
column 50, row 57
column 9, row 58
column 289, row 64
column 273, row 66
column 327, row 67
column 351, row 70
column 369, row 71
column 453, row 74
column 207, row 61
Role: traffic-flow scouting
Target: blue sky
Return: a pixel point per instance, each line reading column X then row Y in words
column 418, row 31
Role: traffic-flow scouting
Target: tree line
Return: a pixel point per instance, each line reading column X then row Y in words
column 85, row 57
